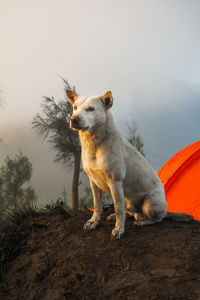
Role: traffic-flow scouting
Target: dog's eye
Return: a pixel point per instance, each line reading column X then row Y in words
column 75, row 107
column 90, row 108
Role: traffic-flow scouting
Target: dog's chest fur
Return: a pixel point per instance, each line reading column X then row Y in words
column 95, row 162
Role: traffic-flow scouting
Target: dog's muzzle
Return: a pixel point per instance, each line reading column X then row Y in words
column 75, row 122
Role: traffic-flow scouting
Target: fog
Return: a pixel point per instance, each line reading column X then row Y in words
column 145, row 52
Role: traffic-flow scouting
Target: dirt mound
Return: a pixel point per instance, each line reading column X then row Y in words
column 61, row 261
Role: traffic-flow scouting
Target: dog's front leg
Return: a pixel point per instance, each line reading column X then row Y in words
column 117, row 192
column 98, row 206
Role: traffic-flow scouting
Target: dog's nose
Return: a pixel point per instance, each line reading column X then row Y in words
column 74, row 120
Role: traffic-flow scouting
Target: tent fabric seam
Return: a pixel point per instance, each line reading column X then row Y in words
column 180, row 169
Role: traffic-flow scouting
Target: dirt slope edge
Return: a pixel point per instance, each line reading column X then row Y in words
column 61, row 261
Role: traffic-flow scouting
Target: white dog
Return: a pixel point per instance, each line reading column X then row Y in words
column 116, row 167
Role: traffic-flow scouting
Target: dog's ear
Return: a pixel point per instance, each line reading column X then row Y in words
column 71, row 96
column 107, row 100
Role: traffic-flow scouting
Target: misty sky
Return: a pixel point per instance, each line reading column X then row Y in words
column 145, row 52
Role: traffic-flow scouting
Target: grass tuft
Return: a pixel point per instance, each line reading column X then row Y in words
column 13, row 234
column 59, row 206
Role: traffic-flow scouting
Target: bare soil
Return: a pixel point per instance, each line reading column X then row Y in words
column 61, row 261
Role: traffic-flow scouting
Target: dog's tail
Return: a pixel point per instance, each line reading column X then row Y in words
column 179, row 217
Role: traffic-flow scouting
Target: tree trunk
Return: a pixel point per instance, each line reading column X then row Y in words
column 77, row 161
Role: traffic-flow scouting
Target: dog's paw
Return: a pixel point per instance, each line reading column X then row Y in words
column 111, row 217
column 89, row 225
column 144, row 222
column 139, row 222
column 116, row 234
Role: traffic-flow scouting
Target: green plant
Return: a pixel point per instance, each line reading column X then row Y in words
column 14, row 173
column 58, row 205
column 61, row 204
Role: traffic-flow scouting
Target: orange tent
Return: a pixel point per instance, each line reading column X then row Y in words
column 181, row 179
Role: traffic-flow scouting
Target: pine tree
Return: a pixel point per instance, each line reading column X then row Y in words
column 53, row 125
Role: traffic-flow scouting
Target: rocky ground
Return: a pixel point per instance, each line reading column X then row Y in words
column 61, row 261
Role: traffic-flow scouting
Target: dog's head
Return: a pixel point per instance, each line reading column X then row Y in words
column 89, row 113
